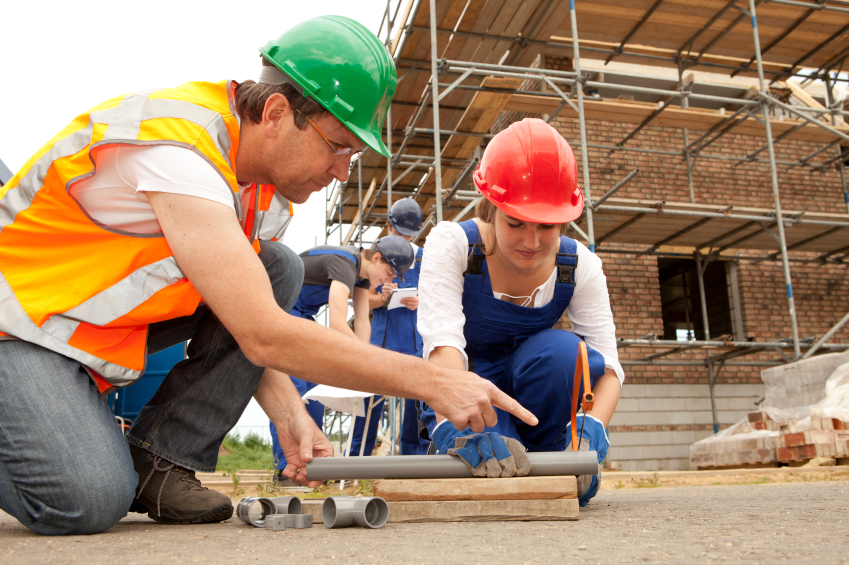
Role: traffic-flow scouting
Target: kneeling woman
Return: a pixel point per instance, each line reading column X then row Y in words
column 493, row 288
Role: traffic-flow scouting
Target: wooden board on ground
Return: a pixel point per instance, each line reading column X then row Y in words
column 483, row 510
column 517, row 488
column 470, row 510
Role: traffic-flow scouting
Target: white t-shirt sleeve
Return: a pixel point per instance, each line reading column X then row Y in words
column 440, row 317
column 589, row 310
column 116, row 195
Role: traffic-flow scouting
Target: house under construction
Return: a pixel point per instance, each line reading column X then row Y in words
column 711, row 138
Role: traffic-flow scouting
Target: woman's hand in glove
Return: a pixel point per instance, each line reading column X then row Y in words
column 486, row 455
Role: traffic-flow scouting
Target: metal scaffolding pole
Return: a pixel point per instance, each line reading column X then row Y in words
column 700, row 272
column 579, row 90
column 434, row 91
column 389, row 159
column 774, row 178
column 360, row 204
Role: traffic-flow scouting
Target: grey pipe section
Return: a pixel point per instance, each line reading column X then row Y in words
column 442, row 466
column 344, row 511
column 254, row 510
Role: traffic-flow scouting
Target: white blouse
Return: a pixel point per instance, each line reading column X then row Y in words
column 440, row 314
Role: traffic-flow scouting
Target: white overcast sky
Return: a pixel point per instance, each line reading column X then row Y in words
column 60, row 58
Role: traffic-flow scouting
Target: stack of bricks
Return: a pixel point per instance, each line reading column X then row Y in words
column 828, row 438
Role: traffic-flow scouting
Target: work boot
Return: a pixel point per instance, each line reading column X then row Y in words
column 171, row 494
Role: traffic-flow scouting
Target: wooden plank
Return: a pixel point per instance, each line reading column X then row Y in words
column 484, row 510
column 517, row 488
column 470, row 510
column 809, row 100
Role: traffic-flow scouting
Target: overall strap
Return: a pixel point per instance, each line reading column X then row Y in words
column 476, row 256
column 419, row 254
column 474, row 277
column 567, row 263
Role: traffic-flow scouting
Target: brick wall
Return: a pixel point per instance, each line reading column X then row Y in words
column 665, row 408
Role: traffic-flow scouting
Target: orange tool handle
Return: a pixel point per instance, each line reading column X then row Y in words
column 582, row 367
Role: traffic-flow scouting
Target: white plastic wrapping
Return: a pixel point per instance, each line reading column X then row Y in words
column 792, row 389
column 836, row 401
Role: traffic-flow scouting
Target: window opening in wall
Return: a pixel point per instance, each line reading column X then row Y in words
column 680, row 302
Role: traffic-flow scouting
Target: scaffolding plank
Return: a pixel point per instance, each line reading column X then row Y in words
column 677, row 20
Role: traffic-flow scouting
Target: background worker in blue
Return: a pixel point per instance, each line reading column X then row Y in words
column 396, row 330
column 331, row 274
column 493, row 289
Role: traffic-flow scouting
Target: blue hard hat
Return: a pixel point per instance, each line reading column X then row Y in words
column 398, row 252
column 406, row 216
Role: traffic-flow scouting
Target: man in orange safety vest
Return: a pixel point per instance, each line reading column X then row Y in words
column 150, row 220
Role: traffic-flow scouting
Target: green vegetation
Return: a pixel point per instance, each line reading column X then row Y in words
column 653, row 482
column 252, row 452
column 761, row 481
column 618, row 485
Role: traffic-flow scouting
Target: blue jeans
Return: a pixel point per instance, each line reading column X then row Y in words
column 65, row 467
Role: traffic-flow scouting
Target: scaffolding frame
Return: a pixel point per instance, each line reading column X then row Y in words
column 419, row 150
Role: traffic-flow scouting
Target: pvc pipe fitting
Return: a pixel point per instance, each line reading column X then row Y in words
column 280, row 522
column 286, row 504
column 345, row 511
column 254, row 510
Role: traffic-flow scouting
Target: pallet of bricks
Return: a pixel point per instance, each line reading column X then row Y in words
column 804, row 415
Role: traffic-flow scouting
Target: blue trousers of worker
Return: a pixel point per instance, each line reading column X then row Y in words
column 540, row 375
column 65, row 467
column 411, row 443
column 315, row 410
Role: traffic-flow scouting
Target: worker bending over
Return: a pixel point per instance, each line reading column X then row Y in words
column 493, row 288
column 396, row 330
column 331, row 274
column 128, row 233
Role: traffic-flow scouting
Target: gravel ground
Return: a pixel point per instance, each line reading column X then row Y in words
column 758, row 523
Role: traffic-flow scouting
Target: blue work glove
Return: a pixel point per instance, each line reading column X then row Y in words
column 594, row 439
column 486, row 455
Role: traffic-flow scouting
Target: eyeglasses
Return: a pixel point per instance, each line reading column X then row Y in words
column 338, row 150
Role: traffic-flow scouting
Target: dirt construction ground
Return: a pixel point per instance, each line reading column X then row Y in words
column 752, row 522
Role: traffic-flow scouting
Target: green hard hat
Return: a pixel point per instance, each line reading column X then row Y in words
column 343, row 65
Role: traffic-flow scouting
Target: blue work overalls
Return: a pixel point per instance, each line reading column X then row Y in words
column 395, row 330
column 515, row 348
column 310, row 301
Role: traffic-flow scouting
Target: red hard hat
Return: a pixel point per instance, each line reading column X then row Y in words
column 528, row 171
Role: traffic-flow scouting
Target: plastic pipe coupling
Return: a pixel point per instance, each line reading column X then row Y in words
column 254, row 510
column 345, row 511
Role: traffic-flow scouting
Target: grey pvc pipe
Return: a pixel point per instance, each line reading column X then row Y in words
column 254, row 510
column 345, row 511
column 442, row 466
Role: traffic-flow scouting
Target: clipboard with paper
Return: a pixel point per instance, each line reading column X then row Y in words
column 398, row 294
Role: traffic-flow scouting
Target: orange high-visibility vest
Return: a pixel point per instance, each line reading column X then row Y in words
column 88, row 291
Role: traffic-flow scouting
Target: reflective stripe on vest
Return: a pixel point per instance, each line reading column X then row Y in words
column 85, row 290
